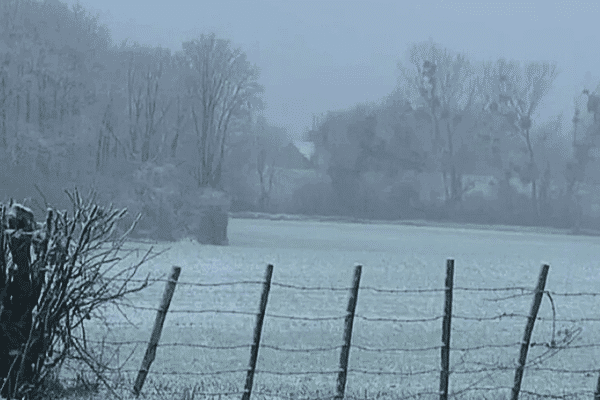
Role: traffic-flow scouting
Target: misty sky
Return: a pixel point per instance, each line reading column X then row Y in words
column 319, row 55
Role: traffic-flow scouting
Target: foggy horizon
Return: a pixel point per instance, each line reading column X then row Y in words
column 462, row 132
column 316, row 57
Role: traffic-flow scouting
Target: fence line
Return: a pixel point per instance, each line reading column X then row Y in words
column 338, row 347
column 362, row 371
column 370, row 319
column 445, row 372
column 345, row 289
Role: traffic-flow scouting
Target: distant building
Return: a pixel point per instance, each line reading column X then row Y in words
column 296, row 155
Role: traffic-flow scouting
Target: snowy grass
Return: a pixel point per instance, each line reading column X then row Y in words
column 393, row 256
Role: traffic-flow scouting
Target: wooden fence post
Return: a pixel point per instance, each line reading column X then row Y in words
column 535, row 306
column 257, row 332
column 157, row 330
column 345, row 353
column 446, row 328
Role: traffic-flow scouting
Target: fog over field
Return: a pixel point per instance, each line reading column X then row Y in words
column 311, row 254
column 439, row 110
column 315, row 135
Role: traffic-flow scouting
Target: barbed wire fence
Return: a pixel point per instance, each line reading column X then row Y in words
column 459, row 367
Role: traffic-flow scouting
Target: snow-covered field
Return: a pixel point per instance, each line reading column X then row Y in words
column 396, row 257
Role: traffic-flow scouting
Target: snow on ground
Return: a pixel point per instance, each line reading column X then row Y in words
column 393, row 256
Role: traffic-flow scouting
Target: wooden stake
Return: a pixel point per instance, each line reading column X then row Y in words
column 157, row 330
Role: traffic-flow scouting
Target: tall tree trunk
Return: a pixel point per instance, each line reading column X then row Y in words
column 28, row 105
column 534, row 198
column 534, row 202
column 5, row 102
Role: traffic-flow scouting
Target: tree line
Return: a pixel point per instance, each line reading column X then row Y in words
column 456, row 119
column 71, row 100
column 76, row 107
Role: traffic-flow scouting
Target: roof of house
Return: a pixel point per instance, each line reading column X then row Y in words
column 295, row 156
column 307, row 149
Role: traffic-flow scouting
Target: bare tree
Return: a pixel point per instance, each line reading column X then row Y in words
column 145, row 106
column 446, row 85
column 134, row 105
column 152, row 117
column 54, row 278
column 222, row 88
column 5, row 95
column 266, row 176
column 516, row 92
column 104, row 136
column 267, row 142
column 180, row 124
column 593, row 103
column 579, row 168
column 51, row 54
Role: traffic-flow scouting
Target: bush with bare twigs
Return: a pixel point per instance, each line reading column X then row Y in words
column 54, row 278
